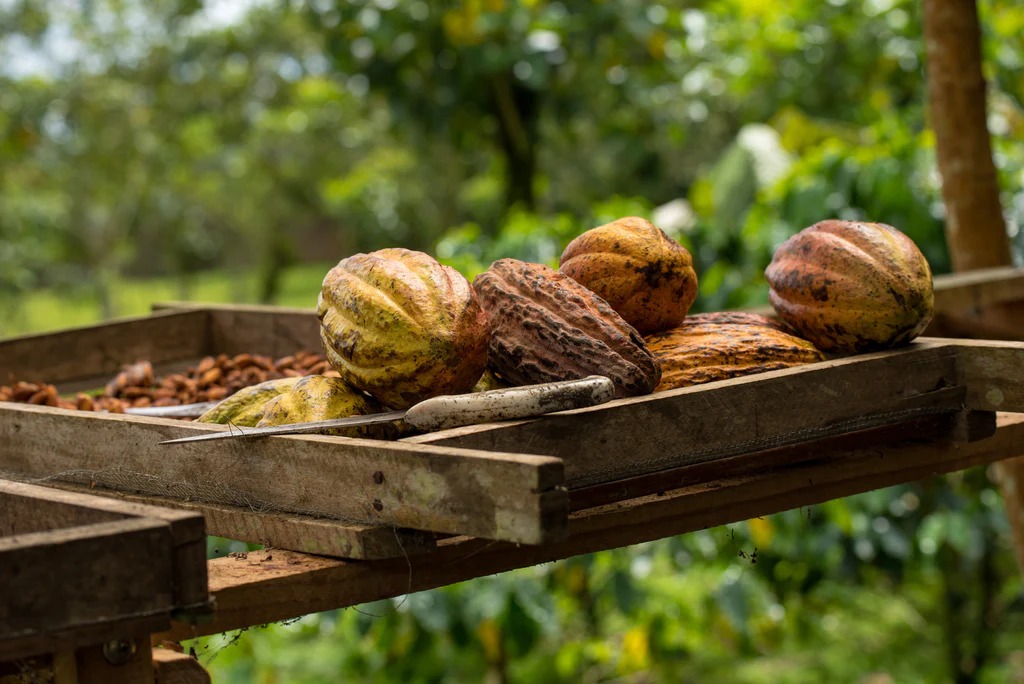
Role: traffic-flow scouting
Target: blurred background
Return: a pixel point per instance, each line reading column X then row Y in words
column 235, row 150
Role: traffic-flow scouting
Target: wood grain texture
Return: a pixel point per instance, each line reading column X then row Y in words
column 83, row 578
column 258, row 329
column 293, row 532
column 278, row 332
column 993, row 374
column 679, row 427
column 101, row 350
column 28, row 508
column 255, row 590
column 494, row 495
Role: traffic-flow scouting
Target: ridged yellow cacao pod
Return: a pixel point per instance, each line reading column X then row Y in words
column 400, row 326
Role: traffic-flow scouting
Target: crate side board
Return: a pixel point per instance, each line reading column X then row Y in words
column 257, row 591
column 276, row 333
column 993, row 374
column 87, row 575
column 630, row 437
column 100, row 350
column 513, row 497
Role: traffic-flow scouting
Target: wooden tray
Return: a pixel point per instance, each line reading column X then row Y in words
column 511, row 481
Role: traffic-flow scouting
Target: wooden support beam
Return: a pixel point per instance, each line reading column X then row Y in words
column 263, row 588
column 318, row 536
column 493, row 495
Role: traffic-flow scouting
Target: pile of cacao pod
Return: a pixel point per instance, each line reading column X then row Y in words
column 399, row 327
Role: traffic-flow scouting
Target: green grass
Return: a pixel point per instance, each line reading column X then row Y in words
column 47, row 310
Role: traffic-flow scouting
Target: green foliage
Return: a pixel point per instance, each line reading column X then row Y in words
column 269, row 147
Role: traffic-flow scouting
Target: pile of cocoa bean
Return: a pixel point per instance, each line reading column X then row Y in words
column 136, row 385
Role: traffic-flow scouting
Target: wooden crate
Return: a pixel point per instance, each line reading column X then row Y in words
column 514, row 481
column 80, row 570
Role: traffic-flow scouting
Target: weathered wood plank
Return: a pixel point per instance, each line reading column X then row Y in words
column 83, row 577
column 978, row 290
column 257, row 328
column 494, row 495
column 967, row 426
column 670, row 429
column 101, row 350
column 28, row 508
column 292, row 532
column 275, row 333
column 255, row 590
column 993, row 374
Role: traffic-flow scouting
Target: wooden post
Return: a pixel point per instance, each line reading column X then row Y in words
column 975, row 226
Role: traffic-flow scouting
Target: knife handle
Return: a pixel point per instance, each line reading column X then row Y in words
column 440, row 413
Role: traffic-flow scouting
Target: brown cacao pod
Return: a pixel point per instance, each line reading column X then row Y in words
column 400, row 326
column 737, row 317
column 696, row 353
column 645, row 275
column 546, row 326
column 318, row 397
column 852, row 287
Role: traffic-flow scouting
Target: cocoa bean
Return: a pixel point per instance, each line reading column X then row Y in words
column 24, row 390
column 83, row 402
column 210, row 377
column 40, row 397
column 139, row 402
column 216, row 393
column 206, row 364
column 243, row 360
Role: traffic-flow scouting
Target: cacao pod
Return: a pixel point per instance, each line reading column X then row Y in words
column 490, row 381
column 547, row 327
column 400, row 326
column 739, row 317
column 852, row 287
column 318, row 397
column 696, row 353
column 245, row 407
column 645, row 275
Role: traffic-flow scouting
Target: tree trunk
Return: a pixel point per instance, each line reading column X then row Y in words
column 518, row 110
column 975, row 227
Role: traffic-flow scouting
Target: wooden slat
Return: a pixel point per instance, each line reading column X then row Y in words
column 964, row 427
column 498, row 496
column 101, row 350
column 258, row 329
column 978, row 290
column 257, row 590
column 292, row 532
column 670, row 429
column 993, row 374
column 29, row 508
column 106, row 576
